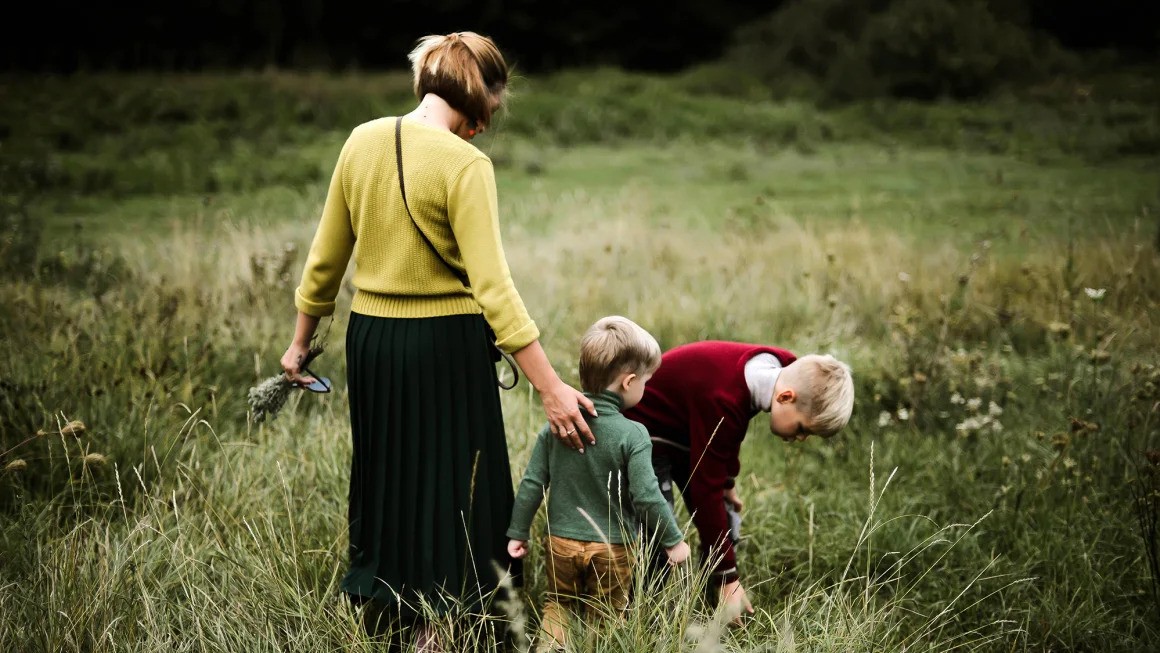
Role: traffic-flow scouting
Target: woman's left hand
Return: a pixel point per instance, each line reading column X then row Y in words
column 561, row 401
column 562, row 405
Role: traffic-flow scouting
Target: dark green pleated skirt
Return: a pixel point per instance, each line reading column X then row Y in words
column 430, row 483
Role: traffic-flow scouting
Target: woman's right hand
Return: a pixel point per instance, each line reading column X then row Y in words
column 292, row 364
column 304, row 328
column 562, row 406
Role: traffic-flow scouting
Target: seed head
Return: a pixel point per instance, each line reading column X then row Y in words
column 95, row 460
column 268, row 397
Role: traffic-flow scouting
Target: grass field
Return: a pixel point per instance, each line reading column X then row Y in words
column 990, row 271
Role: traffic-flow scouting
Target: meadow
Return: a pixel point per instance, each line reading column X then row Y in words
column 990, row 271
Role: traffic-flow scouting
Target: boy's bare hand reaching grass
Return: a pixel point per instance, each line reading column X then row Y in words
column 678, row 554
column 733, row 499
column 736, row 601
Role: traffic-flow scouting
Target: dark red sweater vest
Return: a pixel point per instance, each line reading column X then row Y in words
column 699, row 399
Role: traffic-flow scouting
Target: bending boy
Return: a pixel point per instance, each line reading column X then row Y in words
column 697, row 408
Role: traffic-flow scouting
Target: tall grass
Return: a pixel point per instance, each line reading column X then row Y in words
column 1007, row 394
column 130, row 135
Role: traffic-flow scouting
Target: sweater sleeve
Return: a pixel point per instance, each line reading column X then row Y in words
column 709, row 471
column 330, row 252
column 473, row 211
column 531, row 491
column 647, row 500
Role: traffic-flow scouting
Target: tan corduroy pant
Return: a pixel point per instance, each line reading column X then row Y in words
column 581, row 574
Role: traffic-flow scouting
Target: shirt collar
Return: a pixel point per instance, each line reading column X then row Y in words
column 606, row 401
column 761, row 374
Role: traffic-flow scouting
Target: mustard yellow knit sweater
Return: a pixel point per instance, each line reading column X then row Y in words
column 451, row 191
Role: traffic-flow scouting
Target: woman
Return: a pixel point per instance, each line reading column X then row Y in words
column 430, row 489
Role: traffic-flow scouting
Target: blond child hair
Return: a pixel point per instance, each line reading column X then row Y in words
column 615, row 345
column 825, row 389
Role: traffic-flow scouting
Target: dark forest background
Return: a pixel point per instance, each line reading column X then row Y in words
column 540, row 36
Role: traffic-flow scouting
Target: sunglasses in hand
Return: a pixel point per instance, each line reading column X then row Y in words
column 321, row 383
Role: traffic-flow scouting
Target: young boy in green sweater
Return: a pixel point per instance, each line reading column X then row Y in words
column 597, row 499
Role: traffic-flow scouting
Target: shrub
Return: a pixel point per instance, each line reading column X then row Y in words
column 903, row 48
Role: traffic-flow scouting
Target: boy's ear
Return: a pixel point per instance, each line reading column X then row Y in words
column 785, row 396
column 625, row 380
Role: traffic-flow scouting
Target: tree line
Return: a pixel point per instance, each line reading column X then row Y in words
column 652, row 35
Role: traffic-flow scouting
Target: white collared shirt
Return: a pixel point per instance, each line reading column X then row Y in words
column 761, row 374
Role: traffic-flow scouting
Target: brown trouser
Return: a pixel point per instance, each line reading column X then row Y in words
column 580, row 573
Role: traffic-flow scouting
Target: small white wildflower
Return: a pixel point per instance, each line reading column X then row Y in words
column 903, row 414
column 996, row 427
column 904, row 277
column 883, row 418
column 974, row 403
column 968, row 425
column 994, row 409
column 978, row 423
column 1095, row 294
column 957, row 399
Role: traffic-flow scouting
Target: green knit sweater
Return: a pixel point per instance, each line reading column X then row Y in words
column 612, row 482
column 451, row 191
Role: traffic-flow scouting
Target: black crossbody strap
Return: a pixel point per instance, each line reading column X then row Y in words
column 462, row 277
column 403, row 191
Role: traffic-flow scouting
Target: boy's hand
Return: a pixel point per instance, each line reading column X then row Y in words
column 736, row 601
column 678, row 553
column 731, row 497
column 517, row 548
